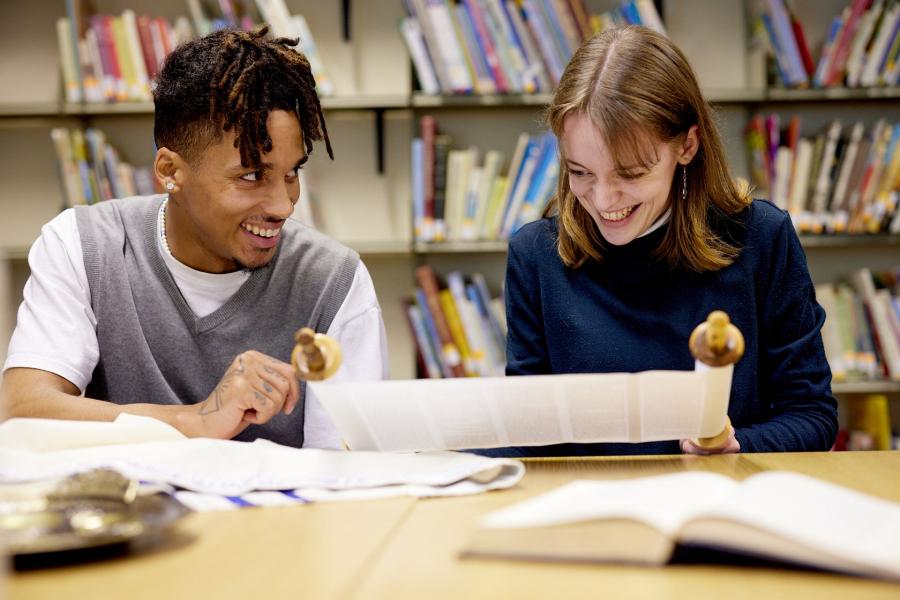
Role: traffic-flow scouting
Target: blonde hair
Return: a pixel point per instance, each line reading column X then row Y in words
column 636, row 86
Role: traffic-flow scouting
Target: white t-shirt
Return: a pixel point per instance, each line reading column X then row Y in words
column 56, row 327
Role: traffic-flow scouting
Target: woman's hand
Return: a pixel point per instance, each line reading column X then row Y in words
column 729, row 446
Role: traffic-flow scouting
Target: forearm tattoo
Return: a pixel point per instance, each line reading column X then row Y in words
column 207, row 407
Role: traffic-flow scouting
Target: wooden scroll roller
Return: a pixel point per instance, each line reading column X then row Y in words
column 717, row 342
column 316, row 356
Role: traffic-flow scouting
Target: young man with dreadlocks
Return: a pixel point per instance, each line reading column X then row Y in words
column 183, row 306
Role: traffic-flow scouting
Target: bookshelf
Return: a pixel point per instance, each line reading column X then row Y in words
column 373, row 116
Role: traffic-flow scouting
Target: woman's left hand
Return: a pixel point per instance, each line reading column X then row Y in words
column 729, row 446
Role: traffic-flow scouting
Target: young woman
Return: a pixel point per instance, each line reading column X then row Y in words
column 647, row 234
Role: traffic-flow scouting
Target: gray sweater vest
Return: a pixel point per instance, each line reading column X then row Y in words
column 154, row 349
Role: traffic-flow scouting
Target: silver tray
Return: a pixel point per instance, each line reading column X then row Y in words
column 89, row 510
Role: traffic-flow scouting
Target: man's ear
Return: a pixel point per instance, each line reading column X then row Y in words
column 689, row 146
column 170, row 170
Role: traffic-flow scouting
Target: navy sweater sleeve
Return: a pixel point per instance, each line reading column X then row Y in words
column 526, row 345
column 795, row 380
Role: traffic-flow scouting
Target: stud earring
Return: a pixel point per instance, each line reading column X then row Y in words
column 170, row 185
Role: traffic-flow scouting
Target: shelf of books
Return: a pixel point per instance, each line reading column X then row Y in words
column 486, row 47
column 457, row 324
column 108, row 60
column 859, row 50
column 421, row 100
column 379, row 248
column 110, row 108
column 850, row 240
column 866, row 387
column 30, row 109
column 837, row 93
column 138, row 108
column 861, row 334
column 461, row 247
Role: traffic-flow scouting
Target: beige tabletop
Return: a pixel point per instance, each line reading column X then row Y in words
column 402, row 548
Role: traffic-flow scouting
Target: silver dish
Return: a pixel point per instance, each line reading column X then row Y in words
column 88, row 510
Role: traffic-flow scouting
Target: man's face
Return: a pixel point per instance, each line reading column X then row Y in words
column 226, row 216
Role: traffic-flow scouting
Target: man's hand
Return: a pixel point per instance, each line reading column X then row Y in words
column 729, row 446
column 254, row 389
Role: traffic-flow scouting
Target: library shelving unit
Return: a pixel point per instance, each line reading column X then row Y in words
column 364, row 196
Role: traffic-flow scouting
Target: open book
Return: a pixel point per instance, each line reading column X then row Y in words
column 491, row 412
column 774, row 515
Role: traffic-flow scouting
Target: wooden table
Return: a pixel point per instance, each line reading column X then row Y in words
column 403, row 548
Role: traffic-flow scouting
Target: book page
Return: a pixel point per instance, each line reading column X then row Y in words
column 491, row 412
column 665, row 502
column 845, row 527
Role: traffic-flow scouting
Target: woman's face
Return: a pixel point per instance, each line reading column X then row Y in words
column 623, row 200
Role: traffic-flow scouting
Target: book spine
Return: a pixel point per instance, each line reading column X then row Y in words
column 418, row 188
column 469, row 321
column 428, row 127
column 423, row 345
column 860, row 42
column 792, row 63
column 129, row 90
column 138, row 62
column 67, row 60
column 503, row 49
column 494, row 354
column 536, row 67
column 819, row 80
column 484, row 294
column 484, row 80
column 802, row 47
column 476, row 15
column 538, row 27
column 820, row 194
column 493, row 161
column 110, row 80
column 451, row 194
column 431, row 330
column 877, row 55
column 472, row 194
column 438, row 11
column 512, row 176
column 96, row 144
column 68, row 171
column 159, row 46
column 151, row 62
column 842, row 47
column 542, row 183
column 564, row 51
column 450, row 353
column 438, row 61
column 843, row 180
column 441, row 155
column 457, row 332
column 892, row 48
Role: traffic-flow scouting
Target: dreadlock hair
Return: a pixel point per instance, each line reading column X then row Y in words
column 234, row 79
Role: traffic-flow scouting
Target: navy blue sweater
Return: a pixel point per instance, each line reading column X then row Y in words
column 632, row 313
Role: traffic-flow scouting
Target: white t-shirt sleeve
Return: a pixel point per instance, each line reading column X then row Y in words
column 56, row 329
column 359, row 328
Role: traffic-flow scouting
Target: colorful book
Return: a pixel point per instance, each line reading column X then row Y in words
column 449, row 351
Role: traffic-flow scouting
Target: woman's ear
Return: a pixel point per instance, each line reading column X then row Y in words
column 169, row 169
column 689, row 146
